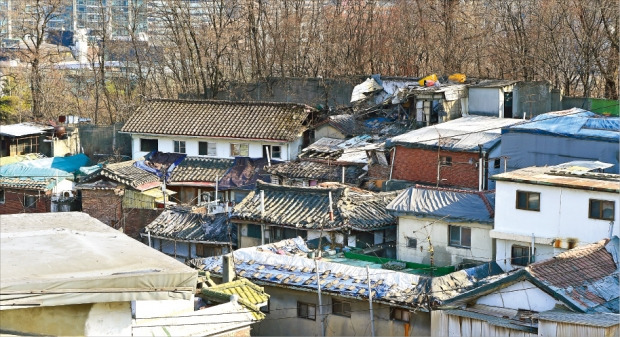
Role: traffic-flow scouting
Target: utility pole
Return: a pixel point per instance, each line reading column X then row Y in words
column 318, row 285
column 372, row 315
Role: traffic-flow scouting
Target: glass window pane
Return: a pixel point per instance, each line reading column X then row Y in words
column 455, row 235
column 311, row 311
column 244, row 150
column 203, row 148
column 465, row 237
column 595, row 209
column 212, row 151
column 521, row 200
column 534, row 201
column 608, row 210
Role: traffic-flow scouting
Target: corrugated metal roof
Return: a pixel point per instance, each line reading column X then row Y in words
column 24, row 129
column 604, row 320
column 308, row 207
column 574, row 123
column 209, row 118
column 183, row 224
column 461, row 134
column 552, row 176
column 447, row 204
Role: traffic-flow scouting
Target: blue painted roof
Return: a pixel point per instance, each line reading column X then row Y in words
column 575, row 123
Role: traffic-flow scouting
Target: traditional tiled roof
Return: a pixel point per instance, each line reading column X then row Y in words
column 182, row 224
column 604, row 320
column 199, row 169
column 25, row 183
column 317, row 171
column 126, row 173
column 209, row 118
column 445, row 203
column 98, row 185
column 308, row 207
column 250, row 295
column 285, row 264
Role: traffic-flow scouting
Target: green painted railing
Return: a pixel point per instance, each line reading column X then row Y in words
column 417, row 268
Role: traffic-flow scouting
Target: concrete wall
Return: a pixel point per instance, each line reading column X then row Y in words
column 420, row 165
column 444, row 255
column 533, row 98
column 255, row 148
column 98, row 319
column 563, row 213
column 486, row 101
column 68, row 146
column 282, row 318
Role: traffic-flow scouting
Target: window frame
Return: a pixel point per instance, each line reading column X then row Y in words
column 2, row 196
column 338, row 307
column 396, row 314
column 460, row 244
column 271, row 152
column 527, row 206
column 211, row 149
column 240, row 152
column 601, row 209
column 179, row 146
column 445, row 160
column 528, row 258
column 254, row 228
column 415, row 245
column 150, row 148
column 300, row 305
column 30, row 205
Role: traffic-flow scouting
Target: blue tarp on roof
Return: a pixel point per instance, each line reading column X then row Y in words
column 55, row 167
column 575, row 123
column 68, row 164
column 446, row 204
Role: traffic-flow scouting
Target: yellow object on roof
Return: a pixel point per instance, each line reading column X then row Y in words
column 19, row 158
column 250, row 295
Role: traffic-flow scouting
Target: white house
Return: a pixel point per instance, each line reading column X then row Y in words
column 443, row 227
column 218, row 129
column 491, row 98
column 556, row 208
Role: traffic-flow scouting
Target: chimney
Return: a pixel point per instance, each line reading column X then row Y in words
column 228, row 268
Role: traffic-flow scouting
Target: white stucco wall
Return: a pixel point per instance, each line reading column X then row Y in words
column 109, row 319
column 411, row 227
column 255, row 148
column 503, row 252
column 327, row 130
column 149, row 309
column 521, row 295
column 487, row 101
column 563, row 213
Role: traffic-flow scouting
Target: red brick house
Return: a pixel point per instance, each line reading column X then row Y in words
column 27, row 195
column 460, row 153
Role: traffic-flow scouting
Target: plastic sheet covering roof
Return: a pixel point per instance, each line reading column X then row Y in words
column 447, row 204
column 69, row 164
column 461, row 134
column 244, row 173
column 51, row 259
column 574, row 123
column 18, row 170
column 183, row 224
column 23, row 129
column 20, row 158
column 317, row 171
column 362, row 90
column 308, row 207
column 285, row 264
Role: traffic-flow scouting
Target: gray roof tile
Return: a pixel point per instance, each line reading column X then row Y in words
column 183, row 224
column 200, row 169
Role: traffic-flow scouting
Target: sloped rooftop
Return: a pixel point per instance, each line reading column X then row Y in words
column 183, row 224
column 308, row 207
column 24, row 129
column 210, row 118
column 127, row 174
column 317, row 171
column 199, row 169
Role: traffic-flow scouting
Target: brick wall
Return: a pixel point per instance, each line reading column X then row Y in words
column 420, row 165
column 103, row 205
column 14, row 202
column 134, row 219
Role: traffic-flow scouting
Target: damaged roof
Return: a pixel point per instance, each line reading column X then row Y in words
column 24, row 129
column 284, row 264
column 461, row 134
column 183, row 224
column 222, row 119
column 317, row 171
column 244, row 173
column 445, row 203
column 199, row 169
column 26, row 183
column 127, row 174
column 308, row 207
column 329, row 149
column 344, row 123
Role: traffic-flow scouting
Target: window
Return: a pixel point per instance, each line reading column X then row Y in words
column 30, row 201
column 529, row 201
column 148, row 145
column 341, row 308
column 276, row 151
column 445, row 161
column 179, row 146
column 207, row 149
column 239, row 150
column 412, row 243
column 254, row 231
column 2, row 196
column 306, row 310
column 602, row 209
column 520, row 255
column 459, row 236
column 496, row 163
column 399, row 314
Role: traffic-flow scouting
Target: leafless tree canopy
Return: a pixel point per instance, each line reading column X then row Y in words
column 200, row 47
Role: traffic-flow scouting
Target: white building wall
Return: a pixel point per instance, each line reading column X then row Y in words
column 503, row 251
column 521, row 295
column 563, row 213
column 418, row 228
column 327, row 130
column 255, row 148
column 487, row 101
